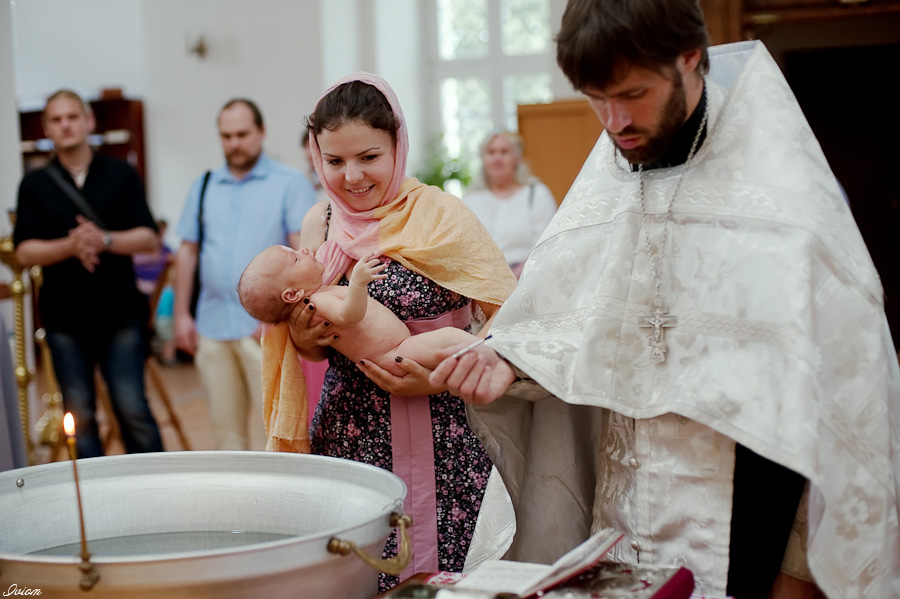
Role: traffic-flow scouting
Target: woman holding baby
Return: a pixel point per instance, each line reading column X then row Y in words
column 442, row 270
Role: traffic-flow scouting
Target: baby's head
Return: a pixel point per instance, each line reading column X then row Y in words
column 276, row 279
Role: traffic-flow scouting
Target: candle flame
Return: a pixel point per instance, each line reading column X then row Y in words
column 69, row 424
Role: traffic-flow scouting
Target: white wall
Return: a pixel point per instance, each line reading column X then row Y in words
column 562, row 89
column 399, row 59
column 382, row 37
column 347, row 44
column 81, row 45
column 266, row 50
column 10, row 159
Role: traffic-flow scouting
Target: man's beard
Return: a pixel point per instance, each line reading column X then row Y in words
column 239, row 160
column 673, row 116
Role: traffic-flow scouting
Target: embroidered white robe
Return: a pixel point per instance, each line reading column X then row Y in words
column 781, row 345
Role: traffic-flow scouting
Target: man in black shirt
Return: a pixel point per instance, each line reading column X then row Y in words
column 89, row 303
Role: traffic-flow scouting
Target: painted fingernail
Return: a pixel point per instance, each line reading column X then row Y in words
column 362, row 362
column 305, row 300
column 311, row 307
column 327, row 324
column 336, row 337
column 398, row 359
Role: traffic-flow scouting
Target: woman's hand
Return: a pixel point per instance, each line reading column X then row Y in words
column 414, row 382
column 310, row 339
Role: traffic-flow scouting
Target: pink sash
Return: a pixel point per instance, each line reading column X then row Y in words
column 314, row 372
column 413, row 454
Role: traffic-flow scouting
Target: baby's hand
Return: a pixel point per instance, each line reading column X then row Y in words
column 368, row 269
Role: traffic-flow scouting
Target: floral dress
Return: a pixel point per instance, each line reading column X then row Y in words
column 353, row 421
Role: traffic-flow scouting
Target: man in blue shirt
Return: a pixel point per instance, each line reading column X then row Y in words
column 249, row 204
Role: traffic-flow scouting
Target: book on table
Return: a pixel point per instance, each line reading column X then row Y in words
column 579, row 573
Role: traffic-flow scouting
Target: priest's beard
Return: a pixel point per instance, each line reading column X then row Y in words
column 671, row 118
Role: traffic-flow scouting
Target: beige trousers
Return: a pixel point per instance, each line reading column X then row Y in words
column 231, row 374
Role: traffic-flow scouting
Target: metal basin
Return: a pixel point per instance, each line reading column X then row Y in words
column 146, row 502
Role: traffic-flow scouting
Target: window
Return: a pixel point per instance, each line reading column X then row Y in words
column 487, row 57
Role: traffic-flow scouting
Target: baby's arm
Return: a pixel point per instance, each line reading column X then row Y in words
column 353, row 309
column 424, row 347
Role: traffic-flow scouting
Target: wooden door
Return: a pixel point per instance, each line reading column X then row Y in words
column 558, row 138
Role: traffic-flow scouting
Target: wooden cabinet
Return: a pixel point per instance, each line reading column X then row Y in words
column 558, row 138
column 736, row 20
column 119, row 132
column 753, row 5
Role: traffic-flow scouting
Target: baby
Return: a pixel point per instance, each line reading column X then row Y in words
column 279, row 278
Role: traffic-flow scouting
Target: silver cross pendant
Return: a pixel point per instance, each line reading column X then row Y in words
column 658, row 321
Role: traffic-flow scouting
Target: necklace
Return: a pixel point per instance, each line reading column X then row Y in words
column 659, row 319
column 79, row 174
column 79, row 177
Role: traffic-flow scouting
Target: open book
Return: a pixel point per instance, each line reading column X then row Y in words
column 578, row 574
column 524, row 580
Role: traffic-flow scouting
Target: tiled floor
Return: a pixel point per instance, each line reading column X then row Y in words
column 190, row 405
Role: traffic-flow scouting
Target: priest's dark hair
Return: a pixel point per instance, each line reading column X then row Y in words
column 600, row 37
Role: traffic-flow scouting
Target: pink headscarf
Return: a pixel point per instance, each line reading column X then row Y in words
column 356, row 233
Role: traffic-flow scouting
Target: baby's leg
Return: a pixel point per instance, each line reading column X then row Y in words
column 423, row 348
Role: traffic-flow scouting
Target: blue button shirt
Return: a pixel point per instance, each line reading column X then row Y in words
column 240, row 219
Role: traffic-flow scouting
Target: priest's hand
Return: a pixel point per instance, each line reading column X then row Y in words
column 414, row 382
column 479, row 376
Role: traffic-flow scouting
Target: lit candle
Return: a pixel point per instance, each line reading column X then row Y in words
column 89, row 576
column 69, row 427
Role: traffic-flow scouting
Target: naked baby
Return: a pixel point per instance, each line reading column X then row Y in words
column 279, row 280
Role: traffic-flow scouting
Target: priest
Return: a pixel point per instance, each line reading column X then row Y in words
column 697, row 353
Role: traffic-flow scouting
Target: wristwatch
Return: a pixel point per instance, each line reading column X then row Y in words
column 107, row 240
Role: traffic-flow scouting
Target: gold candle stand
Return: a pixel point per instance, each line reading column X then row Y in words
column 23, row 373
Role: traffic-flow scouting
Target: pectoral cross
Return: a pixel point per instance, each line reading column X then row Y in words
column 658, row 320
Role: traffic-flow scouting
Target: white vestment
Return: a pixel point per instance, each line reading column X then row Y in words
column 781, row 345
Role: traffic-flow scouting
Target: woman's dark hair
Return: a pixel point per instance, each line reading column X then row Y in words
column 353, row 101
column 598, row 37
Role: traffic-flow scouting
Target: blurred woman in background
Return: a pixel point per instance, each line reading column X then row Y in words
column 513, row 205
